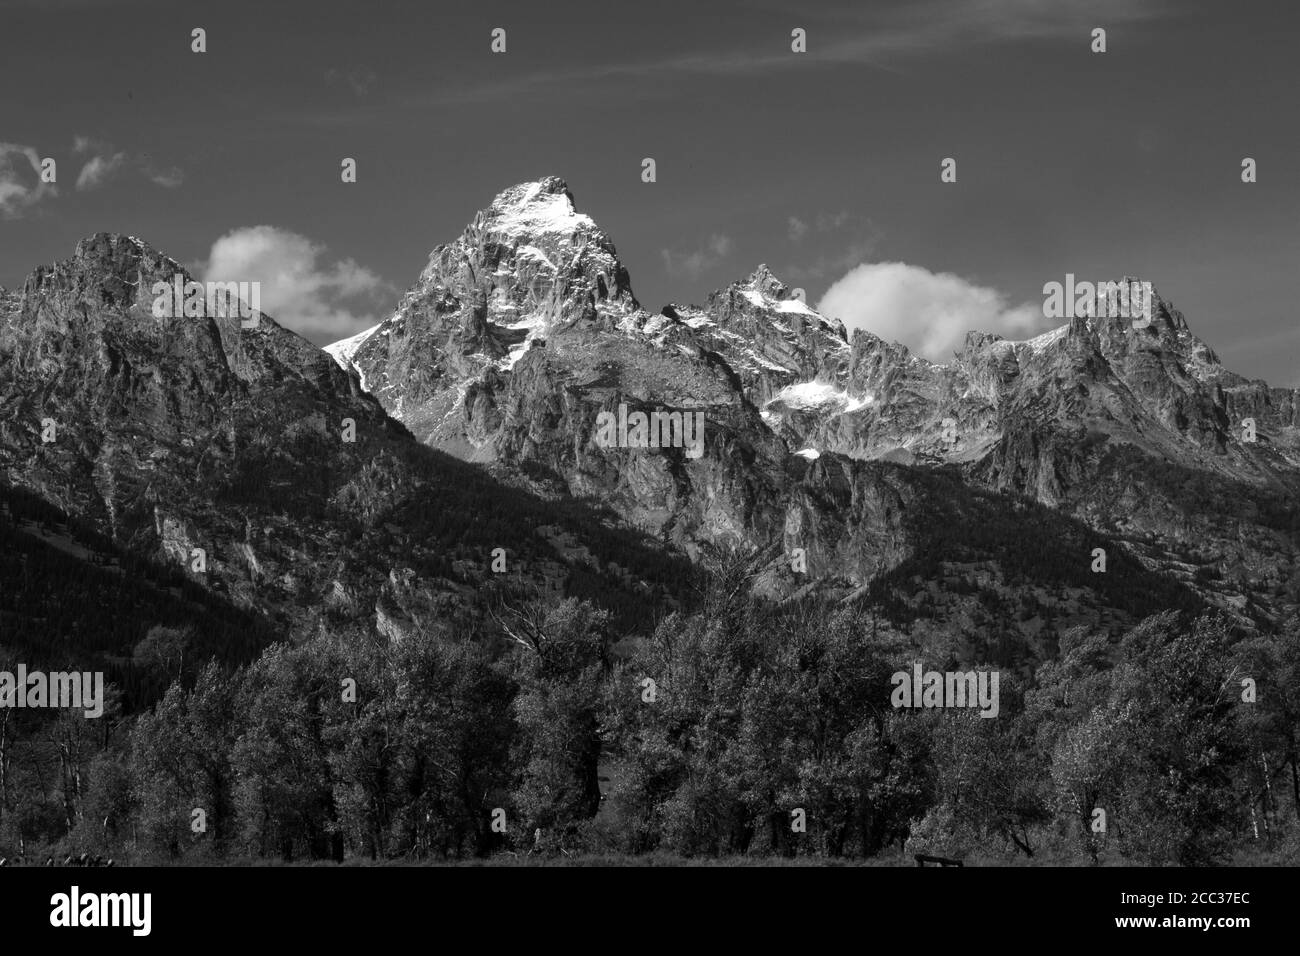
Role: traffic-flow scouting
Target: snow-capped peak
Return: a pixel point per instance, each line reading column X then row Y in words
column 537, row 208
column 765, row 291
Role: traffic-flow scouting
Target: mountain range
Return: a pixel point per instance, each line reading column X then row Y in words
column 518, row 334
column 409, row 478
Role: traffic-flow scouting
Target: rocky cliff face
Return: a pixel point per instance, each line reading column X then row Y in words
column 309, row 503
column 522, row 333
column 527, row 268
column 519, row 379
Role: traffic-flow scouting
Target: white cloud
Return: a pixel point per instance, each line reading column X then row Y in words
column 21, row 188
column 698, row 261
column 166, row 178
column 106, row 162
column 321, row 301
column 929, row 312
column 95, row 172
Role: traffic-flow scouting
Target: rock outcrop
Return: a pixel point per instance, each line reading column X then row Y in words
column 522, row 333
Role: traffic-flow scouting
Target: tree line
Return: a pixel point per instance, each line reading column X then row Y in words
column 740, row 728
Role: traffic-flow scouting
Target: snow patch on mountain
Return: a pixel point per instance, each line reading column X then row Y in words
column 823, row 396
column 533, row 322
column 343, row 350
column 536, row 253
column 529, row 211
column 795, row 306
column 514, row 355
column 1040, row 342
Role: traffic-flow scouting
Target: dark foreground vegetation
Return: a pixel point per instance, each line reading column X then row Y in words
column 700, row 744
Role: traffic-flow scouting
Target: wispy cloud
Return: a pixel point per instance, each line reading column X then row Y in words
column 105, row 162
column 822, row 222
column 98, row 169
column 361, row 81
column 846, row 240
column 883, row 37
column 695, row 262
column 20, row 180
column 168, row 178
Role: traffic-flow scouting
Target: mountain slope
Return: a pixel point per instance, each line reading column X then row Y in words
column 175, row 434
column 520, row 335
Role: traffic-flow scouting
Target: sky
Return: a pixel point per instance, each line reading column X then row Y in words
column 825, row 164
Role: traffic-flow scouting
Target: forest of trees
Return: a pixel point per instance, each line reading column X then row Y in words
column 63, row 611
column 707, row 740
